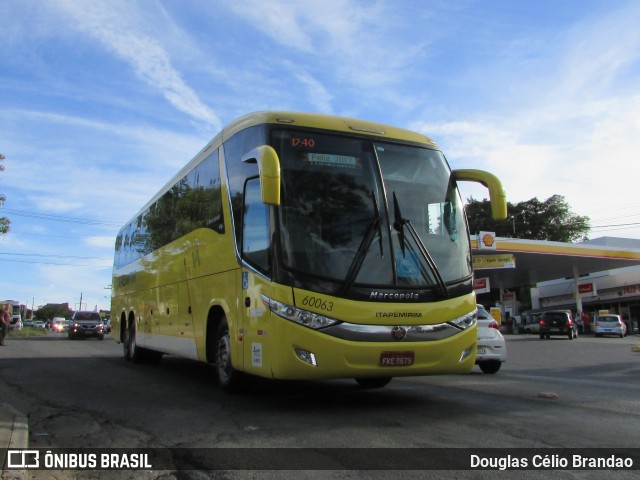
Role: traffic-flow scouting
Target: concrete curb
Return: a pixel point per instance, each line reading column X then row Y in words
column 14, row 435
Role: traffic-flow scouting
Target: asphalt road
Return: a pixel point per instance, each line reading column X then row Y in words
column 551, row 393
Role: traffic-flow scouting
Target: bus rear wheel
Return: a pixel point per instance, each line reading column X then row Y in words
column 131, row 350
column 373, row 382
column 228, row 377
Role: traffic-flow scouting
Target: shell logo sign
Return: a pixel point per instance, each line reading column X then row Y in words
column 487, row 241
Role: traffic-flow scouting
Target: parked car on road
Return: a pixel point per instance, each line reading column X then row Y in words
column 85, row 324
column 610, row 325
column 492, row 349
column 558, row 322
column 39, row 324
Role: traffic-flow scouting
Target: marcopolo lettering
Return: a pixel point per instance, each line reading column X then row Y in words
column 394, row 296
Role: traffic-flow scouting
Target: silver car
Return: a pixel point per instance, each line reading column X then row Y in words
column 610, row 325
column 85, row 324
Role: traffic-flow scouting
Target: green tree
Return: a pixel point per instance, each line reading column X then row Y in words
column 4, row 221
column 551, row 219
column 53, row 310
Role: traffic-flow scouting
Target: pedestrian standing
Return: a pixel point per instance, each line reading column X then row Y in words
column 627, row 323
column 586, row 321
column 5, row 321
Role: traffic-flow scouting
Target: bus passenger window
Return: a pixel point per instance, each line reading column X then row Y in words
column 255, row 233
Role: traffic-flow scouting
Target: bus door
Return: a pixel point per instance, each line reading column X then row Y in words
column 255, row 328
column 256, row 334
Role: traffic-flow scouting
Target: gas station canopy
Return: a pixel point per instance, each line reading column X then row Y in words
column 538, row 261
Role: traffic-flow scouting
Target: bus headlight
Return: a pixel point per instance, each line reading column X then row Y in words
column 466, row 321
column 297, row 315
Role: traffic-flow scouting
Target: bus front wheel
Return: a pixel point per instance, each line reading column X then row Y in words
column 228, row 377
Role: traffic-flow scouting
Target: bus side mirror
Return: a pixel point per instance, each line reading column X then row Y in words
column 497, row 195
column 269, row 168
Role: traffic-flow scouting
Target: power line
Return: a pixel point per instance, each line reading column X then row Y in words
column 608, row 219
column 13, row 232
column 52, row 263
column 614, row 228
column 54, row 256
column 618, row 225
column 59, row 218
column 616, row 208
column 61, row 257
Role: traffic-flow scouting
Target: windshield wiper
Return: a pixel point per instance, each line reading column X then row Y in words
column 374, row 227
column 398, row 224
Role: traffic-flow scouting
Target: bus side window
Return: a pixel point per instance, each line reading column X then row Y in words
column 255, row 232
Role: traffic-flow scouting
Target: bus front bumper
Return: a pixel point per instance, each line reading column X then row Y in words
column 309, row 354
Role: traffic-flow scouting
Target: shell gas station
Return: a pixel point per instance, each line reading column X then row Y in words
column 594, row 276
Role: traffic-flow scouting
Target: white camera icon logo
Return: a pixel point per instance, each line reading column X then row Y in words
column 23, row 459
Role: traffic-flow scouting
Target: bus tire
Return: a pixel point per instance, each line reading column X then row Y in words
column 125, row 345
column 373, row 382
column 132, row 352
column 228, row 377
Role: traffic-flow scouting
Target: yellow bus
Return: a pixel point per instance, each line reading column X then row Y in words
column 304, row 246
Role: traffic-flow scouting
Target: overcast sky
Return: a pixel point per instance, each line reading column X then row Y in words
column 101, row 102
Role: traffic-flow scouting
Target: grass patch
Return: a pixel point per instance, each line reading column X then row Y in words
column 28, row 332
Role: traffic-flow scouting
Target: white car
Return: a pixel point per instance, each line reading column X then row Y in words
column 492, row 349
column 610, row 325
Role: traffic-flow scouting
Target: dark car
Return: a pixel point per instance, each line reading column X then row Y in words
column 558, row 322
column 85, row 324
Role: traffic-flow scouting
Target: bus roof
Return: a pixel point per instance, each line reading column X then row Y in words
column 325, row 122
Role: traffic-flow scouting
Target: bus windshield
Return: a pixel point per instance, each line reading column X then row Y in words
column 364, row 212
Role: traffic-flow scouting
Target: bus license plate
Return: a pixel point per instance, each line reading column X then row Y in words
column 396, row 359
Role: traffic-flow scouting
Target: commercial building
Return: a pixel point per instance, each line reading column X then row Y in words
column 616, row 290
column 600, row 274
